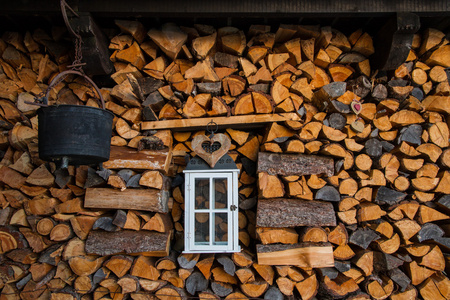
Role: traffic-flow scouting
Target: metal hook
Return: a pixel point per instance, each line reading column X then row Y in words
column 210, row 130
column 64, row 5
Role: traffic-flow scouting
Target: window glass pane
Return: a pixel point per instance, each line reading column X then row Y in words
column 220, row 229
column 220, row 192
column 201, row 193
column 201, row 235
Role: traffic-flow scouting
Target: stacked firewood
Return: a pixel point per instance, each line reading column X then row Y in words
column 381, row 203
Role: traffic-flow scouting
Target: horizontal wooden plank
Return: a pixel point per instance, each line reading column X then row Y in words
column 140, row 199
column 282, row 212
column 304, row 255
column 129, row 158
column 294, row 164
column 148, row 243
column 247, row 121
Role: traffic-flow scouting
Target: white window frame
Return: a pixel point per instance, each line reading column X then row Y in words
column 189, row 220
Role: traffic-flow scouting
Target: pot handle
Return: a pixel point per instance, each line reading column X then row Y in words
column 61, row 77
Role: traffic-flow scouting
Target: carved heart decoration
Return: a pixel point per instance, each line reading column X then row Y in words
column 357, row 126
column 211, row 158
column 356, row 107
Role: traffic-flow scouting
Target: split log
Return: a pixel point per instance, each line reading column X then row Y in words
column 127, row 158
column 127, row 199
column 315, row 255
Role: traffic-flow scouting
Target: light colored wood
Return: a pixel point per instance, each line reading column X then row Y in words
column 140, row 199
column 128, row 158
column 302, row 255
column 234, row 122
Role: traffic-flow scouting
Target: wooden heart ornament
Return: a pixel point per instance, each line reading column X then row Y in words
column 211, row 158
column 356, row 107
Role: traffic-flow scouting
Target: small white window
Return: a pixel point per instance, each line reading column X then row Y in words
column 211, row 207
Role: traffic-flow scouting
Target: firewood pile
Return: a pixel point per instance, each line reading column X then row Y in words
column 379, row 201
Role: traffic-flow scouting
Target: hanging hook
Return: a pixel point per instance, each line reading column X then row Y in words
column 211, row 130
column 65, row 6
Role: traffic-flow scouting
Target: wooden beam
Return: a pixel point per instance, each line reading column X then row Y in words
column 294, row 164
column 128, row 158
column 303, row 255
column 292, row 213
column 140, row 199
column 247, row 121
column 147, row 243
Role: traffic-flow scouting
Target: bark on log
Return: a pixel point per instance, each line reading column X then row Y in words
column 294, row 164
column 130, row 242
column 292, row 213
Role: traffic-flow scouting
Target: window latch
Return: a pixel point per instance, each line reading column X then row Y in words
column 233, row 207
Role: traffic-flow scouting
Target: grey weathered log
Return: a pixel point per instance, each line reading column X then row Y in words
column 149, row 84
column 389, row 196
column 323, row 97
column 294, row 164
column 361, row 86
column 331, row 272
column 373, row 147
column 226, row 60
column 417, row 93
column 411, row 134
column 273, row 293
column 399, row 278
column 434, row 233
column 105, row 223
column 51, row 254
column 120, row 218
column 93, row 179
column 444, row 203
column 196, row 282
column 135, row 86
column 328, row 193
column 337, row 121
column 62, row 177
column 5, row 215
column 338, row 106
column 22, row 282
column 293, row 212
column 149, row 114
column 387, row 147
column 260, row 87
column 384, row 262
column 185, row 263
column 134, row 181
column 247, row 203
column 227, row 263
column 148, row 243
column 342, row 266
column 125, row 174
column 221, row 289
column 155, row 101
column 49, row 276
column 99, row 275
column 213, row 88
column 362, row 237
column 379, row 92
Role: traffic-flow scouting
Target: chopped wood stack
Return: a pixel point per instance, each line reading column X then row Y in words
column 367, row 186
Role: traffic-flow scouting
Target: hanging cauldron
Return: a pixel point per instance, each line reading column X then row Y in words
column 73, row 134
